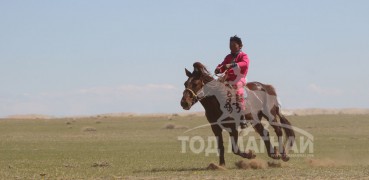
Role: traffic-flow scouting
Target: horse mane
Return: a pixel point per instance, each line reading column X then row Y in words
column 201, row 71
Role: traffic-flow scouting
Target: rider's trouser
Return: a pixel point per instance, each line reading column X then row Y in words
column 240, row 99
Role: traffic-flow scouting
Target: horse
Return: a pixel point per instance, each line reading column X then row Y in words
column 216, row 98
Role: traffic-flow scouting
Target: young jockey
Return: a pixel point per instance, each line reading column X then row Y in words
column 236, row 66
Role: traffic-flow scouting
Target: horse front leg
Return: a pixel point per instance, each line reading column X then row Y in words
column 218, row 134
column 235, row 149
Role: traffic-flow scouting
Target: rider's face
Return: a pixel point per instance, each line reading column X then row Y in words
column 234, row 47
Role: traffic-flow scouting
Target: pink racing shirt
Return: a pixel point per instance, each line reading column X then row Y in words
column 236, row 75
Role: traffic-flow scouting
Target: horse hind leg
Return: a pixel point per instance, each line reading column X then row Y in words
column 280, row 152
column 272, row 119
column 287, row 128
column 264, row 134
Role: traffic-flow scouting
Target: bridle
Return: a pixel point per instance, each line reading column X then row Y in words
column 195, row 96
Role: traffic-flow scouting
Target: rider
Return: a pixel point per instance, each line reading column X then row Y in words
column 235, row 66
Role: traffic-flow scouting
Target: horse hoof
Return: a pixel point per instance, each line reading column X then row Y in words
column 250, row 155
column 285, row 158
column 275, row 156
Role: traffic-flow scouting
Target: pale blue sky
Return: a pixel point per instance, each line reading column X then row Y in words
column 89, row 57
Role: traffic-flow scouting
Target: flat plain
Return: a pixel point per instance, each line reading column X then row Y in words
column 147, row 147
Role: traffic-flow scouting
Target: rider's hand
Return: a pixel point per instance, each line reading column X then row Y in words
column 217, row 71
column 228, row 66
column 231, row 65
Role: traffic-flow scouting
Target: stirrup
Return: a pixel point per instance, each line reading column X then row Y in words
column 243, row 124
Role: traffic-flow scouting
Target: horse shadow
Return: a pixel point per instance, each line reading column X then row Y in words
column 158, row 170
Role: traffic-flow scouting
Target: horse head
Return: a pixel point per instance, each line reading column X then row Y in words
column 194, row 85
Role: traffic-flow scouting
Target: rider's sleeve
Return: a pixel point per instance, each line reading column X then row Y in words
column 243, row 63
column 222, row 65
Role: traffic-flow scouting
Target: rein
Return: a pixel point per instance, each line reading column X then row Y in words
column 222, row 76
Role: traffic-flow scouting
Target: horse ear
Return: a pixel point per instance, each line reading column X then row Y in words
column 197, row 69
column 188, row 73
column 197, row 66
